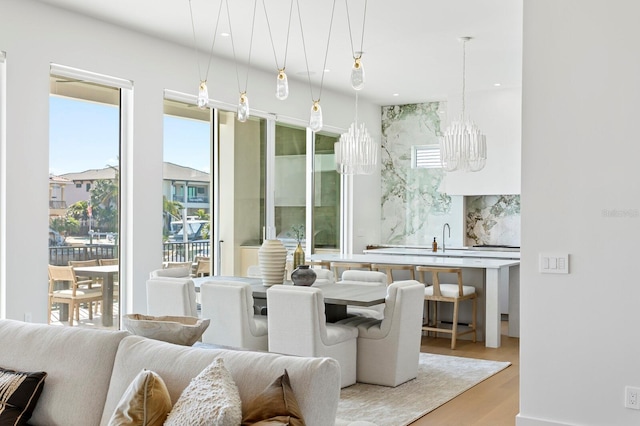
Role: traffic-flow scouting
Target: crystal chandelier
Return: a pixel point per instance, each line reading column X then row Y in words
column 356, row 153
column 463, row 146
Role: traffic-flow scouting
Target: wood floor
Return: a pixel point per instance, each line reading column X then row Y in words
column 494, row 402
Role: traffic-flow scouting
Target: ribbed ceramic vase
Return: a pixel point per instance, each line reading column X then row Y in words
column 272, row 258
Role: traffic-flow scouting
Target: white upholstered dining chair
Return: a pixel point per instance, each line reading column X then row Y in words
column 229, row 306
column 389, row 349
column 167, row 296
column 297, row 326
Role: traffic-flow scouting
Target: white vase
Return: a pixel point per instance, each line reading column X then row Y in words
column 272, row 258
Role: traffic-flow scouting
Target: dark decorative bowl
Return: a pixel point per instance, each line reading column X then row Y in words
column 303, row 275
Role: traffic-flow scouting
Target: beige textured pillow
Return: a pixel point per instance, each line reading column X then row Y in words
column 276, row 405
column 146, row 402
column 212, row 398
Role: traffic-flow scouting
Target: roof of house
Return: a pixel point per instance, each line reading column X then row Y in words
column 170, row 171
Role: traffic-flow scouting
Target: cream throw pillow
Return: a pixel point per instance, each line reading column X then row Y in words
column 146, row 402
column 212, row 398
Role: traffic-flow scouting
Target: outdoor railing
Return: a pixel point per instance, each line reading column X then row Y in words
column 171, row 252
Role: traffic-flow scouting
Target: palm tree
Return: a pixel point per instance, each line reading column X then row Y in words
column 171, row 210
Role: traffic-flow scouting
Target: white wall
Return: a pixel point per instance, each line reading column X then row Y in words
column 33, row 35
column 579, row 343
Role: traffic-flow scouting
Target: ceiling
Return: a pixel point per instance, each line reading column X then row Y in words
column 412, row 51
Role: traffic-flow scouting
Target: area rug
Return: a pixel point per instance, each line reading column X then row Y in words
column 440, row 379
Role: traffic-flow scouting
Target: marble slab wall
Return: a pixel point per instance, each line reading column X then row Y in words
column 413, row 209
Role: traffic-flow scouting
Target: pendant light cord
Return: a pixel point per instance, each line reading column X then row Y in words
column 286, row 48
column 364, row 17
column 464, row 71
column 326, row 54
column 195, row 45
column 233, row 48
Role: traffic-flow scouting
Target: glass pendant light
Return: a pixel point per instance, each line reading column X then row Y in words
column 282, row 85
column 203, row 95
column 315, row 118
column 463, row 146
column 357, row 71
column 243, row 102
column 357, row 75
column 243, row 108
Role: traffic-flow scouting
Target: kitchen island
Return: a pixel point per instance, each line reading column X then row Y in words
column 495, row 274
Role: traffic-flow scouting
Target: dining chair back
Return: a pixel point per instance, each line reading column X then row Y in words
column 73, row 296
column 203, row 266
column 229, row 306
column 369, row 278
column 389, row 349
column 297, row 326
column 183, row 272
column 108, row 262
column 84, row 281
column 339, row 267
column 388, row 269
column 448, row 293
column 171, row 296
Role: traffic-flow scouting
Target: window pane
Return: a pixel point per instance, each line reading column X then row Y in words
column 186, row 183
column 326, row 208
column 84, row 182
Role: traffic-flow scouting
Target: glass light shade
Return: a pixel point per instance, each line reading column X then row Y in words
column 463, row 147
column 315, row 119
column 357, row 75
column 282, row 85
column 243, row 108
column 203, row 95
column 356, row 153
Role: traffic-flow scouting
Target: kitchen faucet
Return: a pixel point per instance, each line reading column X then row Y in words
column 446, row 225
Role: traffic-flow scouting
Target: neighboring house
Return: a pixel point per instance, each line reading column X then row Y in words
column 57, row 195
column 189, row 187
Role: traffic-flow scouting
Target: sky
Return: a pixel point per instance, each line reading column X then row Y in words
column 84, row 135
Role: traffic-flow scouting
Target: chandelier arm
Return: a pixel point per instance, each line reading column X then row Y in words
column 464, row 72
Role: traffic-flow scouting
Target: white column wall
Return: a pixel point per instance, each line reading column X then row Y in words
column 33, row 35
column 579, row 343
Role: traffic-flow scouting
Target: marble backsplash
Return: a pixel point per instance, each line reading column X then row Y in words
column 413, row 210
column 493, row 219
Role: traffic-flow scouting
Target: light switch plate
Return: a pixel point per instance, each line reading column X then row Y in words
column 554, row 263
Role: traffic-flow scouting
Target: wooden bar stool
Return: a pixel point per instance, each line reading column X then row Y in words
column 339, row 267
column 389, row 268
column 451, row 293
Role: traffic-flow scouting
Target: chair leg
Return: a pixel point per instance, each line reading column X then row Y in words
column 91, row 310
column 474, row 313
column 72, row 311
column 454, row 330
column 49, row 312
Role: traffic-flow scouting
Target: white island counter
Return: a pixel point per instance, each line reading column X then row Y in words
column 496, row 275
column 449, row 252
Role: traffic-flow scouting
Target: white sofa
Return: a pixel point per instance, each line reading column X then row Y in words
column 89, row 370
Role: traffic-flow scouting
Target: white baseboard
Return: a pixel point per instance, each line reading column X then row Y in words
column 531, row 421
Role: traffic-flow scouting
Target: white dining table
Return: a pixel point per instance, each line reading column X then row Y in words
column 106, row 273
column 336, row 296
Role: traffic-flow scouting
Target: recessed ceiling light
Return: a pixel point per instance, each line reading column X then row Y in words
column 497, row 84
column 327, row 70
column 396, row 94
column 224, row 34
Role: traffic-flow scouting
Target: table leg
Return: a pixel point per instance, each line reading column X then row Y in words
column 493, row 279
column 335, row 313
